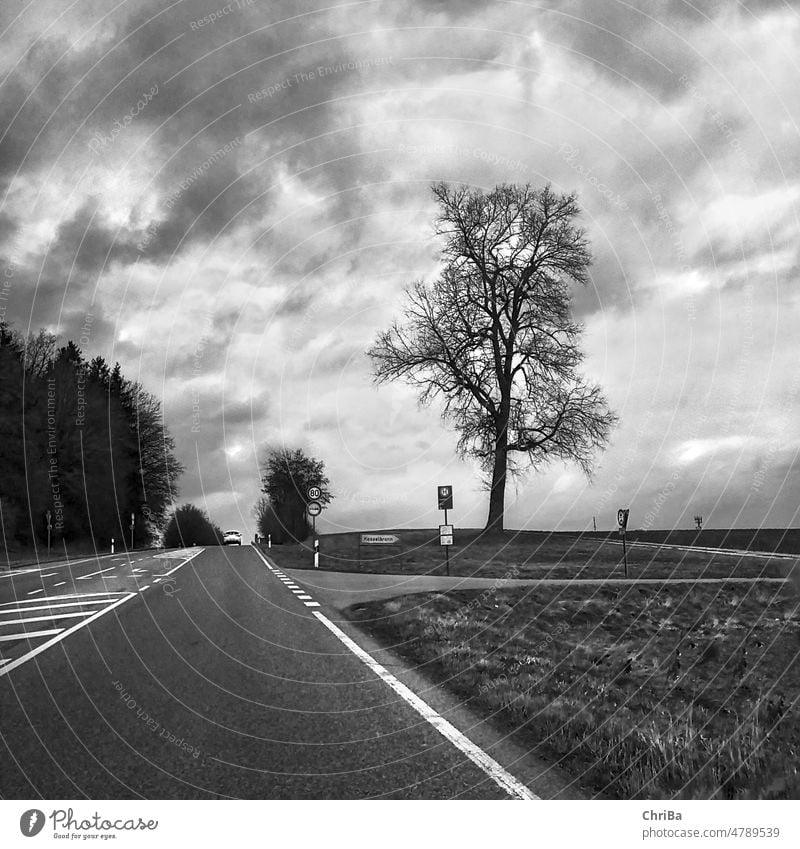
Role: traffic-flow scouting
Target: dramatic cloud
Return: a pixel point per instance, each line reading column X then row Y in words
column 230, row 198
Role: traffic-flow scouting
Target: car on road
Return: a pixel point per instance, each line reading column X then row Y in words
column 231, row 538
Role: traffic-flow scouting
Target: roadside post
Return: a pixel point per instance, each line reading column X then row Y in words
column 49, row 528
column 269, row 540
column 622, row 521
column 133, row 522
column 313, row 508
column 445, row 497
column 112, row 545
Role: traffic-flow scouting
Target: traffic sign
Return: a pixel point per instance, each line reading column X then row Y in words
column 445, row 496
column 314, row 508
column 314, row 492
column 622, row 519
column 379, row 539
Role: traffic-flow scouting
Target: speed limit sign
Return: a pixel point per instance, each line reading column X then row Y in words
column 314, row 493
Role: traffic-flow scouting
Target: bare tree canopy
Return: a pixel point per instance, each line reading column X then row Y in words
column 493, row 337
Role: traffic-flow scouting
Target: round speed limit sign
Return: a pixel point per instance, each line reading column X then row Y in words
column 314, row 493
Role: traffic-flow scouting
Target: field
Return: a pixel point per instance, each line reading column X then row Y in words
column 525, row 554
column 650, row 693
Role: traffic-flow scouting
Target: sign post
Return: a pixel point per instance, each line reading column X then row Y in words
column 444, row 495
column 314, row 508
column 133, row 522
column 49, row 528
column 622, row 520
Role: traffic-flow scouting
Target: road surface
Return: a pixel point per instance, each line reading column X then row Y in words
column 212, row 674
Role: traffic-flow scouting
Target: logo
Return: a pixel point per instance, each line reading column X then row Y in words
column 31, row 822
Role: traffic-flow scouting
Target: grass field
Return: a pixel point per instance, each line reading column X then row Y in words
column 526, row 554
column 643, row 692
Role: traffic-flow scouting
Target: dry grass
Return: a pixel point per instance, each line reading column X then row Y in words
column 646, row 693
column 526, row 554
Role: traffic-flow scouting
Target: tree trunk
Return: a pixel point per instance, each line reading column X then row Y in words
column 497, row 495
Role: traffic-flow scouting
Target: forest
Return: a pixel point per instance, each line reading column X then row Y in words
column 83, row 449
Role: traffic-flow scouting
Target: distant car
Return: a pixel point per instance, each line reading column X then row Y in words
column 231, row 538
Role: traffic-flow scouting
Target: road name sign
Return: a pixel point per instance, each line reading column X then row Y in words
column 314, row 508
column 314, row 492
column 379, row 539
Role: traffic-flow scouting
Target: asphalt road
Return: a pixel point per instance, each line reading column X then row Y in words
column 207, row 674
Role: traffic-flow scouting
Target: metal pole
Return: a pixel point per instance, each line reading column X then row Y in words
column 625, row 553
column 594, row 524
column 447, row 547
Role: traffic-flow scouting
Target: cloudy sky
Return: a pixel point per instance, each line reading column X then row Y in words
column 230, row 199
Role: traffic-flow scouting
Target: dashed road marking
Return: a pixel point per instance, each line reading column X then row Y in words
column 311, row 603
column 33, row 592
column 60, row 584
column 92, row 574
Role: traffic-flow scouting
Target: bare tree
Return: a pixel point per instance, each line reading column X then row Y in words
column 493, row 336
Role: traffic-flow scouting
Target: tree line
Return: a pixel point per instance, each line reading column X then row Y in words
column 82, row 443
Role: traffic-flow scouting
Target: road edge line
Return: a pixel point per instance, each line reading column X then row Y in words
column 501, row 777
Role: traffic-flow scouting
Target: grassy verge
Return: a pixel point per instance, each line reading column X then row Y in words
column 645, row 693
column 515, row 554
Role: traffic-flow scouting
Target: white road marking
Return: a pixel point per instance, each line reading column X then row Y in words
column 14, row 573
column 62, row 635
column 33, row 592
column 60, row 584
column 311, row 603
column 51, row 606
column 489, row 765
column 298, row 592
column 145, row 587
column 44, row 618
column 92, row 574
column 304, row 597
column 48, row 575
column 6, row 638
column 104, row 595
column 156, row 580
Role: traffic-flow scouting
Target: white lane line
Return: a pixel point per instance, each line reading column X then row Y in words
column 15, row 573
column 105, row 596
column 156, row 580
column 311, row 603
column 60, row 584
column 304, row 597
column 489, row 765
column 175, row 569
column 44, row 618
column 48, row 575
column 298, row 592
column 145, row 587
column 28, row 609
column 92, row 574
column 5, row 638
column 62, row 635
column 33, row 592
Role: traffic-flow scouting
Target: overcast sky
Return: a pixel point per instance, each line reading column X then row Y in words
column 231, row 208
